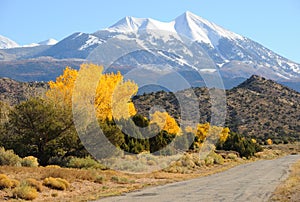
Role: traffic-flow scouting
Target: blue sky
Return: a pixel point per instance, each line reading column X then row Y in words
column 273, row 23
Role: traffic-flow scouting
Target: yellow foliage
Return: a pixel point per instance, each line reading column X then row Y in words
column 5, row 182
column 253, row 140
column 165, row 122
column 111, row 97
column 56, row 183
column 35, row 184
column 224, row 134
column 25, row 192
column 269, row 142
column 61, row 90
column 205, row 130
column 202, row 131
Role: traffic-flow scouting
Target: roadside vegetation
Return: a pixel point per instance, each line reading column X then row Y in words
column 289, row 190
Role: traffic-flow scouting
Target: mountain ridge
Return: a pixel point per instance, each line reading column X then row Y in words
column 235, row 57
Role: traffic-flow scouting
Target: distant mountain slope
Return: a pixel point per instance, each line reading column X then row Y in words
column 7, row 43
column 41, row 69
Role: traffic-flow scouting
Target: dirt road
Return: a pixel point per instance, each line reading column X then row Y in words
column 249, row 182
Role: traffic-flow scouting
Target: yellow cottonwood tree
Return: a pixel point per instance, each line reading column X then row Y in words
column 165, row 122
column 112, row 95
column 61, row 90
column 224, row 134
column 205, row 130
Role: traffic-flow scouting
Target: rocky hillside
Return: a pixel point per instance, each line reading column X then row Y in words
column 257, row 107
column 13, row 92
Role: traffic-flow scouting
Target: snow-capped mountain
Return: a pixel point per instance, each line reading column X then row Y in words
column 233, row 54
column 48, row 42
column 7, row 43
column 188, row 24
column 187, row 44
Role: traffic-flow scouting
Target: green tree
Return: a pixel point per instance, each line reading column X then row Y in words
column 35, row 125
column 244, row 146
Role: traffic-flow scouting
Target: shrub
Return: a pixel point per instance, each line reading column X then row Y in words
column 9, row 158
column 218, row 159
column 187, row 161
column 209, row 161
column 53, row 166
column 16, row 183
column 99, row 179
column 232, row 156
column 119, row 180
column 85, row 163
column 30, row 161
column 269, row 142
column 5, row 182
column 25, row 192
column 56, row 183
column 58, row 160
column 35, row 184
column 244, row 146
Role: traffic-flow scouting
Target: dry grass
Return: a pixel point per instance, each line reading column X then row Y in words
column 289, row 190
column 93, row 184
column 35, row 184
column 56, row 183
column 25, row 192
column 5, row 182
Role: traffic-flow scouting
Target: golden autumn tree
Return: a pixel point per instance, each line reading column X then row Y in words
column 113, row 97
column 205, row 130
column 165, row 122
column 224, row 134
column 112, row 94
column 60, row 91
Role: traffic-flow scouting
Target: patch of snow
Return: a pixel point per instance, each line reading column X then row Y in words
column 78, row 35
column 48, row 42
column 31, row 45
column 294, row 67
column 221, row 65
column 208, row 70
column 92, row 40
column 282, row 76
column 6, row 43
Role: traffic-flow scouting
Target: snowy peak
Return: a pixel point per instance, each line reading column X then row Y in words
column 132, row 24
column 48, row 42
column 199, row 29
column 188, row 25
column 7, row 43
